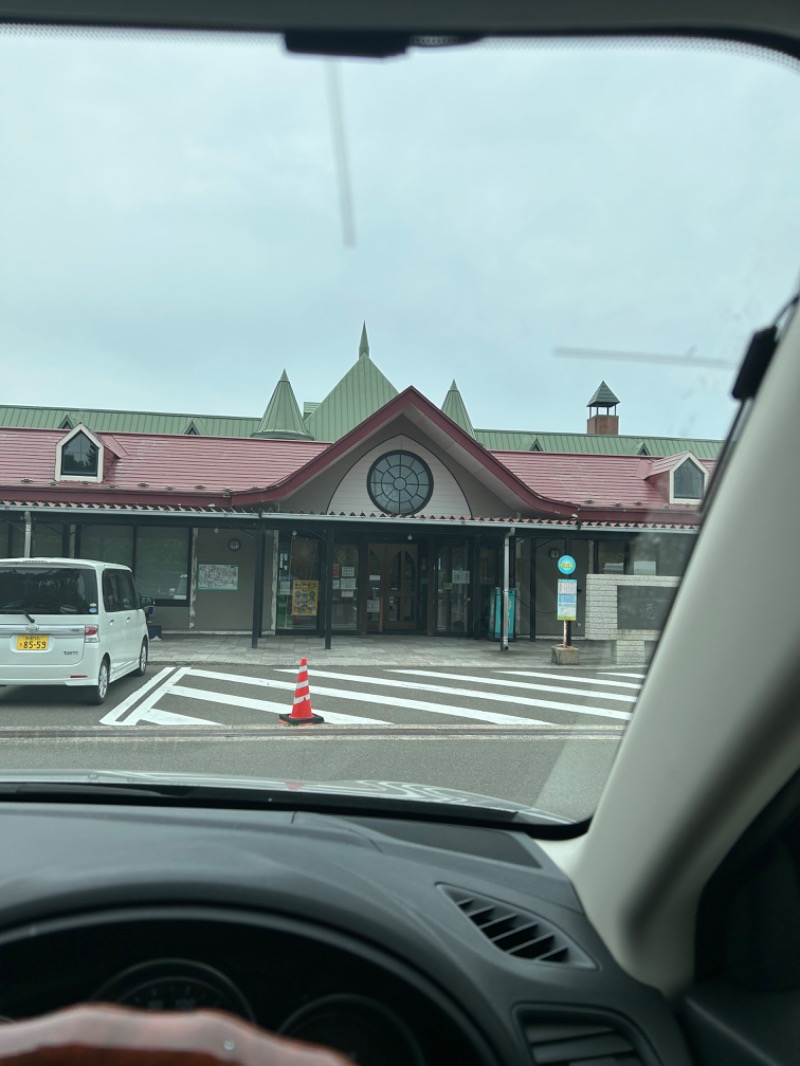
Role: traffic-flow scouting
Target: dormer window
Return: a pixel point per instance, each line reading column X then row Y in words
column 688, row 481
column 79, row 457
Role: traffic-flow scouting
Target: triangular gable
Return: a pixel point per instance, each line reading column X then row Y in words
column 95, row 472
column 461, row 449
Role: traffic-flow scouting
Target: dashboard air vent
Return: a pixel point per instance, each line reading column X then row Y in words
column 572, row 1043
column 515, row 932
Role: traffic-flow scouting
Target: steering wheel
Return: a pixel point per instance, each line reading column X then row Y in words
column 119, row 1036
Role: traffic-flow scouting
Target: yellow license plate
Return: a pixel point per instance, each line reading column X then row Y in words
column 32, row 643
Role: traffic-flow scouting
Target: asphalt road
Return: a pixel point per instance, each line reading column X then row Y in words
column 542, row 737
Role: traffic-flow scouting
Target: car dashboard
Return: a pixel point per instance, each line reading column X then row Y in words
column 391, row 939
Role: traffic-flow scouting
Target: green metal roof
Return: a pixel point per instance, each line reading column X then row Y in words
column 455, row 408
column 282, row 417
column 504, row 440
column 595, row 444
column 359, row 394
column 603, row 397
column 110, row 421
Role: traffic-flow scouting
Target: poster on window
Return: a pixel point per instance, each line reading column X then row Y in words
column 305, row 596
column 217, row 577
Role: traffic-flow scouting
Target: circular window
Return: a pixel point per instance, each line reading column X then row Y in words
column 399, row 483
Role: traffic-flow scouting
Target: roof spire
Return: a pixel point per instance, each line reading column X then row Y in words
column 360, row 393
column 282, row 417
column 455, row 408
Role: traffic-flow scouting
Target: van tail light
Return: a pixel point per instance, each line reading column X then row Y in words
column 91, row 634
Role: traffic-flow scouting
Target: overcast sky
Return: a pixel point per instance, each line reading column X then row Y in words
column 171, row 236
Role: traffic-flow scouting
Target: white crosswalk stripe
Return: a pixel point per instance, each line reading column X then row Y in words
column 495, row 697
column 576, row 680
column 527, row 686
column 621, row 673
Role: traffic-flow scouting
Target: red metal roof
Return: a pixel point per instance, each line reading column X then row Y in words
column 596, row 481
column 195, row 465
column 234, row 472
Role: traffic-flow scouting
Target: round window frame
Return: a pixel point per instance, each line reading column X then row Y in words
column 392, row 455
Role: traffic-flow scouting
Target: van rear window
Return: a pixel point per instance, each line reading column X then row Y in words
column 47, row 589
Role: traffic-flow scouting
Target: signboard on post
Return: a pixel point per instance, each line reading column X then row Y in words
column 567, row 600
column 566, row 565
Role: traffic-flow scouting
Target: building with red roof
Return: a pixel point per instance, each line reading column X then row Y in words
column 403, row 521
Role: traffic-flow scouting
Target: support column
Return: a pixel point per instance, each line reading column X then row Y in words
column 504, row 606
column 258, row 589
column 28, row 535
column 329, row 543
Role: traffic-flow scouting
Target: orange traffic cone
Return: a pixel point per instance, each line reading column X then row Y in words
column 301, row 710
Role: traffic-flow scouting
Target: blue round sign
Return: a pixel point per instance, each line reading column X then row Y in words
column 566, row 564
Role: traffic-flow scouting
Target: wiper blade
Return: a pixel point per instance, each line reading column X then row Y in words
column 16, row 608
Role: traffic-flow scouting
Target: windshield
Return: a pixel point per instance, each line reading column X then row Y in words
column 398, row 384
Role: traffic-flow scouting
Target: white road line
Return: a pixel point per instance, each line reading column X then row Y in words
column 114, row 715
column 460, row 712
column 389, row 702
column 159, row 717
column 145, row 711
column 244, row 679
column 620, row 673
column 227, row 700
column 526, row 685
column 576, row 680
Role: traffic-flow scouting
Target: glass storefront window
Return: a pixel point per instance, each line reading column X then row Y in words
column 488, row 564
column 162, row 564
column 522, row 584
column 345, row 587
column 47, row 540
column 674, row 555
column 611, row 557
column 643, row 555
column 298, row 601
column 111, row 544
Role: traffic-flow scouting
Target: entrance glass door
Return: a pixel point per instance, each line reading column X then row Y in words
column 393, row 588
column 453, row 579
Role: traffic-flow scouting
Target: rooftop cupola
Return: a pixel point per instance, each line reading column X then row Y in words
column 603, row 419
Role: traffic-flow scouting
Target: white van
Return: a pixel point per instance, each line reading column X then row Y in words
column 74, row 622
